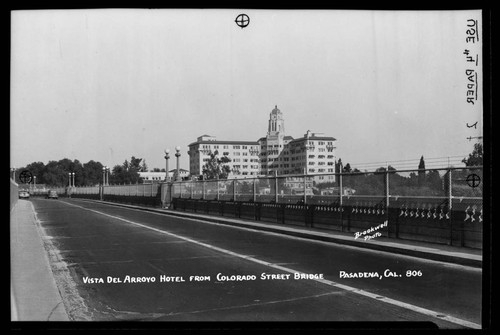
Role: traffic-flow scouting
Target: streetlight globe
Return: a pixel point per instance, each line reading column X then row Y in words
column 177, row 148
column 167, row 151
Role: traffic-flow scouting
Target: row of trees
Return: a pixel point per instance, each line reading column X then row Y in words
column 55, row 173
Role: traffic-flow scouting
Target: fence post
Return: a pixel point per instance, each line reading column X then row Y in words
column 387, row 199
column 217, row 182
column 276, row 186
column 254, row 191
column 449, row 195
column 203, row 190
column 341, row 191
column 234, row 189
column 191, row 189
column 305, row 187
column 387, row 196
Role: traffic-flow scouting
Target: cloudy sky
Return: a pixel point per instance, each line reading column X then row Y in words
column 109, row 84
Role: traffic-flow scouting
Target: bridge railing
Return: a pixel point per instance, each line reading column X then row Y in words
column 442, row 205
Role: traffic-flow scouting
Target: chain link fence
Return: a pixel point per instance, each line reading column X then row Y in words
column 436, row 205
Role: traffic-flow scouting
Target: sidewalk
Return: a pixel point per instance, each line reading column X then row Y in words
column 34, row 293
column 431, row 251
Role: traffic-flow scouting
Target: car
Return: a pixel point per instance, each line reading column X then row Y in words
column 24, row 194
column 52, row 195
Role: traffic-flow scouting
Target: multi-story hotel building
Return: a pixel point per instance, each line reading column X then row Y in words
column 276, row 153
column 244, row 155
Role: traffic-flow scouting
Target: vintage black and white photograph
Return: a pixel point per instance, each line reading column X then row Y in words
column 251, row 165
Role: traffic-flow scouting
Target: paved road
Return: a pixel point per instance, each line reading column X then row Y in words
column 91, row 240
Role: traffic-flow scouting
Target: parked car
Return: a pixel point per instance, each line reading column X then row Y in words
column 52, row 195
column 24, row 194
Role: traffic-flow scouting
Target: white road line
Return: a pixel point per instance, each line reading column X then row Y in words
column 367, row 294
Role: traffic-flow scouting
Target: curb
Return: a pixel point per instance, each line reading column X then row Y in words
column 414, row 252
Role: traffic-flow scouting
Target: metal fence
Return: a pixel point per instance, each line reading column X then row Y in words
column 438, row 205
column 389, row 187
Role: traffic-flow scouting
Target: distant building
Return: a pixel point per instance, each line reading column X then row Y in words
column 160, row 176
column 276, row 153
column 244, row 155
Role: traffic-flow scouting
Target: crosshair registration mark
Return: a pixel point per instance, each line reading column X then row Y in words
column 473, row 180
column 242, row 20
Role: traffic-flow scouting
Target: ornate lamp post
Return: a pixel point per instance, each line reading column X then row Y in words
column 72, row 179
column 107, row 176
column 103, row 176
column 178, row 155
column 69, row 179
column 167, row 157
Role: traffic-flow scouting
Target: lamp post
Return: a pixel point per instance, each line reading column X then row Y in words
column 178, row 155
column 167, row 157
column 103, row 176
column 107, row 176
column 34, row 183
column 69, row 179
column 72, row 179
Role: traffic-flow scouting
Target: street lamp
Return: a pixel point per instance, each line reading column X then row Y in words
column 103, row 176
column 167, row 157
column 69, row 179
column 178, row 155
column 34, row 183
column 72, row 179
column 107, row 176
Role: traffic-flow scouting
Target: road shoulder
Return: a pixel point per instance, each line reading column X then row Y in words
column 34, row 293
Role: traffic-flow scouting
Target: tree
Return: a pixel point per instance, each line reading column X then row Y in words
column 144, row 167
column 347, row 168
column 215, row 167
column 476, row 157
column 421, row 171
column 92, row 173
column 338, row 166
column 127, row 173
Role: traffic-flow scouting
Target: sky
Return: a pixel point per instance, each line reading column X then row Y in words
column 108, row 84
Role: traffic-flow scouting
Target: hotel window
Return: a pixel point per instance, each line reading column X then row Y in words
column 237, row 154
column 236, row 147
column 244, row 147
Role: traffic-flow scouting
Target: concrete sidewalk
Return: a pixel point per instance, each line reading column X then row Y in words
column 34, row 293
column 431, row 251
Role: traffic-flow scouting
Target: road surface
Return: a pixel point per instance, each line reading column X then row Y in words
column 114, row 263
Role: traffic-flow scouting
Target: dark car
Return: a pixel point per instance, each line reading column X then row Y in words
column 52, row 195
column 24, row 194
